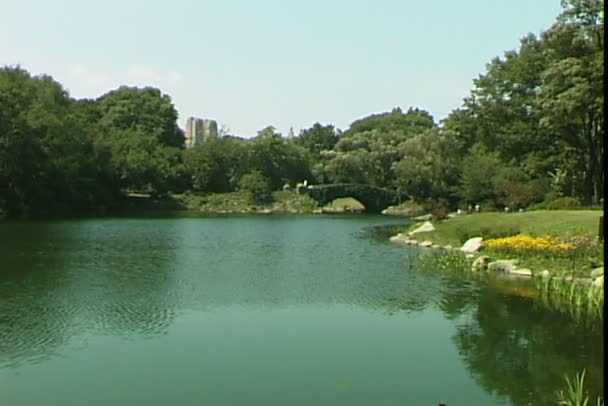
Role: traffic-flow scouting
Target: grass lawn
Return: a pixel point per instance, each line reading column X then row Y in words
column 562, row 224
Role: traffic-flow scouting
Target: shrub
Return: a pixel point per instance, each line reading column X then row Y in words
column 487, row 233
column 257, row 185
column 563, row 203
column 440, row 213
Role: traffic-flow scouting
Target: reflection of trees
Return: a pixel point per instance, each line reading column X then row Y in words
column 59, row 280
column 521, row 351
column 459, row 296
column 32, row 325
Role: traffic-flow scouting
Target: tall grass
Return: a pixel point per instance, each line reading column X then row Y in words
column 580, row 302
column 443, row 261
column 575, row 393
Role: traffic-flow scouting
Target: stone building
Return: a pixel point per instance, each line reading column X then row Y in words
column 199, row 130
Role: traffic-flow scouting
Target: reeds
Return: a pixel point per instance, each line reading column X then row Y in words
column 575, row 393
column 444, row 261
column 580, row 301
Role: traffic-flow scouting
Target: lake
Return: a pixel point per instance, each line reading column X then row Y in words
column 265, row 310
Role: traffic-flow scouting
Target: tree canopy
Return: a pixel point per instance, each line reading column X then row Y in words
column 531, row 130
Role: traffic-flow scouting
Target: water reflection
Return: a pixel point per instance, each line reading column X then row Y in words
column 520, row 350
column 59, row 280
column 135, row 278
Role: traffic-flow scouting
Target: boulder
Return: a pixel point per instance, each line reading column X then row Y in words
column 472, row 245
column 426, row 244
column 448, row 247
column 481, row 263
column 399, row 239
column 521, row 272
column 597, row 272
column 543, row 274
column 504, row 265
column 425, row 227
column 599, row 282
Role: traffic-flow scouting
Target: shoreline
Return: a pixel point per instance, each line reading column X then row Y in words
column 575, row 291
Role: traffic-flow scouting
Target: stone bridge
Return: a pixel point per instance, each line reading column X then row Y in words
column 374, row 199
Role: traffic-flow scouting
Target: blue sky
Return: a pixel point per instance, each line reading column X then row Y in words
column 250, row 64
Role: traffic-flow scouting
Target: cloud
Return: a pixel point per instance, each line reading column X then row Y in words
column 84, row 81
column 143, row 75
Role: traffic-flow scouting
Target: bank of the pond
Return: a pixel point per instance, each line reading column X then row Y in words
column 281, row 202
column 222, row 203
column 559, row 250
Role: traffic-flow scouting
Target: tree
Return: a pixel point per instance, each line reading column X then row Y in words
column 572, row 98
column 139, row 127
column 48, row 160
column 142, row 109
column 429, row 169
column 257, row 186
column 479, row 169
column 318, row 138
column 216, row 165
column 280, row 160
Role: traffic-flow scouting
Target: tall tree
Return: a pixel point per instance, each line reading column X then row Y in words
column 572, row 98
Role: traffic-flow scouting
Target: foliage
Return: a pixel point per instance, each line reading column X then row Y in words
column 318, row 138
column 216, row 165
column 257, row 185
column 583, row 303
column 575, row 393
column 444, row 261
column 428, row 169
column 563, row 203
column 49, row 162
column 531, row 129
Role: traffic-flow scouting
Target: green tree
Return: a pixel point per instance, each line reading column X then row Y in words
column 572, row 98
column 48, row 161
column 280, row 160
column 318, row 138
column 479, row 169
column 429, row 168
column 216, row 165
column 139, row 128
column 143, row 109
column 257, row 186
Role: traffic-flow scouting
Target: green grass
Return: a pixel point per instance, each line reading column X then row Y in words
column 561, row 223
column 582, row 302
column 575, row 393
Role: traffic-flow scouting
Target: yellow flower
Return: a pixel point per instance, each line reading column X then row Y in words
column 527, row 243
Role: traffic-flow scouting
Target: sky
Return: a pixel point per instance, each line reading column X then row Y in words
column 249, row 64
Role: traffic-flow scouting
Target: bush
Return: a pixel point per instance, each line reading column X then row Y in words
column 258, row 187
column 563, row 203
column 487, row 233
column 440, row 213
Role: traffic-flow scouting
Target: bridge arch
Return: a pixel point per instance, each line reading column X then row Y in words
column 374, row 199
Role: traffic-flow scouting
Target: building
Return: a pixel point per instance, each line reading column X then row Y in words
column 199, row 130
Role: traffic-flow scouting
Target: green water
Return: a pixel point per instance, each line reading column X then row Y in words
column 267, row 310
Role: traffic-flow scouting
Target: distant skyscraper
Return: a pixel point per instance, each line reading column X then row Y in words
column 199, row 130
